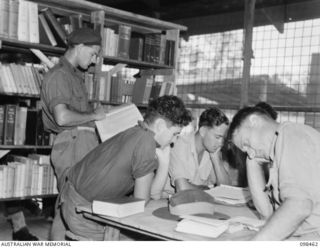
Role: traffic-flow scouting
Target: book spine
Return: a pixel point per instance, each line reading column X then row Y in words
column 147, row 48
column 56, row 25
column 10, row 116
column 33, row 23
column 4, row 18
column 2, row 110
column 13, row 19
column 124, row 41
column 45, row 31
column 23, row 21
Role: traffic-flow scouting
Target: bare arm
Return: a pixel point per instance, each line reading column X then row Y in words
column 257, row 183
column 183, row 184
column 161, row 175
column 67, row 117
column 285, row 220
column 219, row 169
column 142, row 187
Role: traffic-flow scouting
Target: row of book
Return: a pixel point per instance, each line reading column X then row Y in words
column 27, row 176
column 21, row 79
column 21, row 20
column 121, row 89
column 153, row 48
column 22, row 126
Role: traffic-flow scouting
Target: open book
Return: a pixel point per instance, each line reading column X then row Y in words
column 117, row 120
column 119, row 207
column 209, row 227
column 230, row 194
column 202, row 226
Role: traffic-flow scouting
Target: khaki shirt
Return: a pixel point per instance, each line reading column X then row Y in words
column 63, row 84
column 184, row 163
column 296, row 164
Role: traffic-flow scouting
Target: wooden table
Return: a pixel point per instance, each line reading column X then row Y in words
column 147, row 223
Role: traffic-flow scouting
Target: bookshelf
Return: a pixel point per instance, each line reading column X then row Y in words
column 155, row 58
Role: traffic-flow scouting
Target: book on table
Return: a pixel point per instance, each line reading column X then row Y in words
column 230, row 194
column 118, row 207
column 117, row 120
column 213, row 228
column 202, row 226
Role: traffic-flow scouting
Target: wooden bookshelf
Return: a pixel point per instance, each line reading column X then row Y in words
column 37, row 97
column 23, row 147
column 27, row 197
column 12, row 44
column 134, row 63
column 116, row 103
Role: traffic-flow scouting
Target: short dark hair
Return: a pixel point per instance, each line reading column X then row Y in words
column 241, row 115
column 170, row 108
column 212, row 117
column 268, row 108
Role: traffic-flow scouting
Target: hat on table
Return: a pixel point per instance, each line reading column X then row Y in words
column 191, row 201
column 86, row 36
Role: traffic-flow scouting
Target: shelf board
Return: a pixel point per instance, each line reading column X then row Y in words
column 17, row 147
column 7, row 43
column 27, row 197
column 20, row 95
column 135, row 63
column 116, row 103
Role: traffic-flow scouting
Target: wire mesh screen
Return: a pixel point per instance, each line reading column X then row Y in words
column 285, row 70
column 209, row 67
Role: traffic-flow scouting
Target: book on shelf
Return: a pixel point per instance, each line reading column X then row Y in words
column 136, row 48
column 9, row 124
column 13, row 19
column 76, row 21
column 55, row 26
column 4, row 18
column 45, row 34
column 33, row 22
column 230, row 194
column 170, row 52
column 202, row 226
column 119, row 207
column 23, row 21
column 142, row 89
column 2, row 112
column 124, row 32
column 20, row 125
column 117, row 120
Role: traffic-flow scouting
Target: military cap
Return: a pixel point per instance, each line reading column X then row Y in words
column 84, row 36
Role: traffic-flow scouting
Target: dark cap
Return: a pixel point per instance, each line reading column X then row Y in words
column 84, row 36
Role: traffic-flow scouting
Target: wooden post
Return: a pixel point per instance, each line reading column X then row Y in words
column 247, row 50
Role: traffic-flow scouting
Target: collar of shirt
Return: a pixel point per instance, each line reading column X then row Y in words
column 65, row 63
column 144, row 126
column 274, row 142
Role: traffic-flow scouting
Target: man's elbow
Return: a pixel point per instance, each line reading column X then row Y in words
column 61, row 119
column 306, row 207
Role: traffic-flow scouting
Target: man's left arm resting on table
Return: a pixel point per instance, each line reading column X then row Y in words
column 286, row 219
